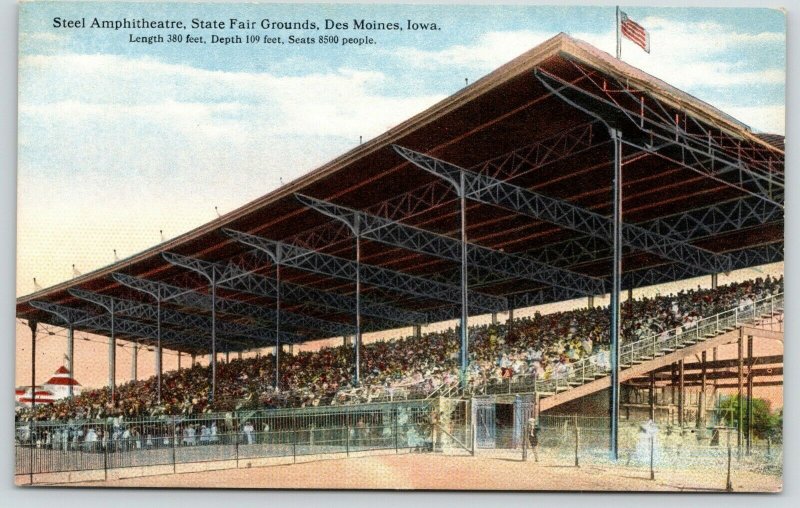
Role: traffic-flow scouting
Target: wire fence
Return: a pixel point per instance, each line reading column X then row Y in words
column 58, row 447
column 581, row 440
column 234, row 440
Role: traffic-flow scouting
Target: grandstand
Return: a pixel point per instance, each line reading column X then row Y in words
column 564, row 174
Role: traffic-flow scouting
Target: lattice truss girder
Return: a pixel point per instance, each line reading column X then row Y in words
column 101, row 323
column 193, row 299
column 418, row 240
column 649, row 127
column 516, row 301
column 760, row 255
column 492, row 191
column 260, row 285
column 745, row 258
column 692, row 225
column 535, row 156
column 686, row 226
column 334, row 266
column 196, row 322
column 674, row 135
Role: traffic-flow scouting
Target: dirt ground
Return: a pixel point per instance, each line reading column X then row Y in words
column 430, row 472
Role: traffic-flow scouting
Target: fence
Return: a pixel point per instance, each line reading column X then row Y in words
column 58, row 447
column 441, row 425
column 452, row 430
column 571, row 440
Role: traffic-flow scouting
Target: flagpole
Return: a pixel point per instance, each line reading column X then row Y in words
column 619, row 38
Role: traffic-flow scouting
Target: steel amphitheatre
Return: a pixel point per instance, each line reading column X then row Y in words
column 563, row 176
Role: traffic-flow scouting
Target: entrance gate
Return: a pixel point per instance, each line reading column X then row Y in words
column 483, row 414
column 501, row 424
column 523, row 409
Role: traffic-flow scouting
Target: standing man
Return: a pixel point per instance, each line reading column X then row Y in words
column 91, row 440
column 248, row 432
column 533, row 437
column 214, row 435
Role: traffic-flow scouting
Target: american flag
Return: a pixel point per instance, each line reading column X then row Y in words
column 634, row 31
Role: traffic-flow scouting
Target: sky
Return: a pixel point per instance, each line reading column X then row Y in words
column 118, row 140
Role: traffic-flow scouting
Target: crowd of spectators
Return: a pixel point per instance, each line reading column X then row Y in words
column 541, row 346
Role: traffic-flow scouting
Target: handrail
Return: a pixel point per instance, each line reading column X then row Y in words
column 445, row 389
column 599, row 363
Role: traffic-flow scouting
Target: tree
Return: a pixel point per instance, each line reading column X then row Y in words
column 765, row 422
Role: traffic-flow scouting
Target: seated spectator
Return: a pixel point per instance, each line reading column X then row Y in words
column 543, row 346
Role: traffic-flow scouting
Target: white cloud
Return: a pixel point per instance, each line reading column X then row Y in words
column 47, row 37
column 683, row 54
column 490, row 51
column 122, row 147
column 347, row 100
column 769, row 118
column 691, row 56
column 126, row 146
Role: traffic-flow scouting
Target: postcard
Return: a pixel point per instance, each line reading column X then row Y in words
column 400, row 246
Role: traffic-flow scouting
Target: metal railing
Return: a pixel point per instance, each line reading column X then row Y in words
column 599, row 365
column 700, row 330
column 56, row 447
column 577, row 440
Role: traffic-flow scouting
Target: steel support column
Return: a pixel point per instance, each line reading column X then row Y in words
column 701, row 403
column 112, row 357
column 277, row 319
column 357, row 338
column 33, row 325
column 740, row 386
column 652, row 396
column 134, row 362
column 213, row 335
column 464, row 332
column 159, row 352
column 70, row 355
column 71, row 317
column 616, row 136
column 714, row 281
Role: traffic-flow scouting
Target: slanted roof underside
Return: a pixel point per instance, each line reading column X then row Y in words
column 509, row 126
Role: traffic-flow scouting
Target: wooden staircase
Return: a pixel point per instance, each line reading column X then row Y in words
column 766, row 325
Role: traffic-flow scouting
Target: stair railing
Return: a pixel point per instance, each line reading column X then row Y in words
column 651, row 346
